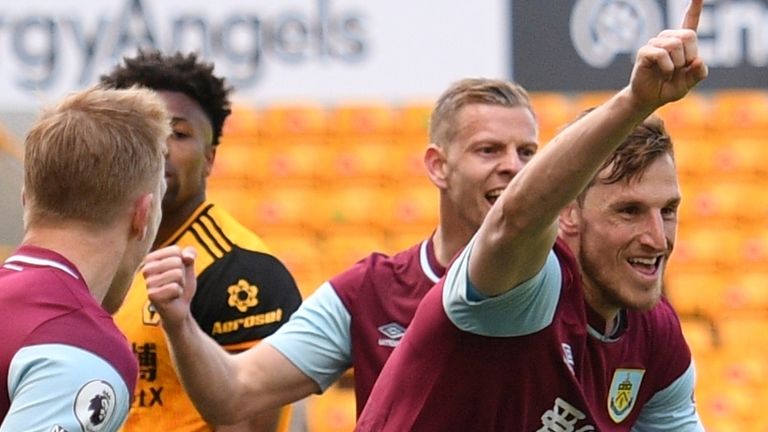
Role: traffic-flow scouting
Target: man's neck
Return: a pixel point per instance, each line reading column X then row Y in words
column 172, row 220
column 447, row 243
column 97, row 253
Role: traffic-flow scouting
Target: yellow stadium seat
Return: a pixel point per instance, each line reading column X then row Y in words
column 355, row 205
column 334, row 410
column 748, row 290
column 697, row 291
column 300, row 251
column 553, row 111
column 292, row 159
column 589, row 99
column 695, row 157
column 745, row 334
column 242, row 122
column 708, row 247
column 342, row 248
column 235, row 159
column 725, row 200
column 407, row 161
column 363, row 118
column 413, row 119
column 287, row 207
column 354, row 160
column 417, row 205
column 700, row 335
column 743, row 156
column 736, row 111
column 235, row 197
column 291, row 119
column 688, row 117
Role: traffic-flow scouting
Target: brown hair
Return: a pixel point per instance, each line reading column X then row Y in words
column 443, row 126
column 647, row 142
column 92, row 154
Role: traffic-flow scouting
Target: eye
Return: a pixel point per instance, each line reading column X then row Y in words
column 179, row 135
column 487, row 150
column 526, row 152
column 630, row 210
column 669, row 212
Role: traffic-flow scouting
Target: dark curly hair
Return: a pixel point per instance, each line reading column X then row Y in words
column 178, row 73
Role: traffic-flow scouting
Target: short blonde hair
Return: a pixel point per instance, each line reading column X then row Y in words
column 443, row 125
column 92, row 154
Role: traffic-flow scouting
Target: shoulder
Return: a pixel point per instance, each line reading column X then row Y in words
column 233, row 230
column 58, row 384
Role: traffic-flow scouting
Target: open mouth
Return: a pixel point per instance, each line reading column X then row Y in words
column 646, row 266
column 493, row 195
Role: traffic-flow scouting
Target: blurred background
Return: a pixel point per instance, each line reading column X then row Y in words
column 322, row 155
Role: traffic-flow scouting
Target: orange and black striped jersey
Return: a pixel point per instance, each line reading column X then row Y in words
column 243, row 295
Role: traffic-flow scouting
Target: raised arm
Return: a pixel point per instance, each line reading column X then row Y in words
column 225, row 388
column 520, row 229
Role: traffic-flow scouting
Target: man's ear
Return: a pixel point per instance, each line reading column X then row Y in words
column 210, row 156
column 570, row 219
column 140, row 220
column 434, row 161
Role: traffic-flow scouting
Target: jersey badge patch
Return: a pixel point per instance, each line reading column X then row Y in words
column 149, row 315
column 393, row 332
column 623, row 392
column 243, row 295
column 95, row 405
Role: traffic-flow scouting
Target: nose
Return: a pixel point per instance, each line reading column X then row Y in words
column 653, row 232
column 511, row 163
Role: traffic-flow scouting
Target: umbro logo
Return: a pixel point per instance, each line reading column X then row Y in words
column 393, row 332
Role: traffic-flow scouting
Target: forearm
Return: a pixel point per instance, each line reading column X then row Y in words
column 206, row 370
column 566, row 164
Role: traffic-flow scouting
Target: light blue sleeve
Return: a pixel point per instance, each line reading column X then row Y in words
column 316, row 339
column 673, row 408
column 526, row 309
column 56, row 387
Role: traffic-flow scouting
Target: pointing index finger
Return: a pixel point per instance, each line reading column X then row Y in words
column 692, row 15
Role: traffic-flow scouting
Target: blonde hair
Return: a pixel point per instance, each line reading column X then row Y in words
column 443, row 126
column 88, row 157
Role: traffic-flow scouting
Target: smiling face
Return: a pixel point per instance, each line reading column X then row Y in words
column 625, row 234
column 490, row 147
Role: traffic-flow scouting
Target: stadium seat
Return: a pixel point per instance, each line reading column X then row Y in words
column 417, row 205
column 235, row 159
column 695, row 156
column 355, row 205
column 293, row 159
column 742, row 156
column 293, row 119
column 287, row 208
column 701, row 336
column 708, row 247
column 300, row 251
column 242, row 122
column 690, row 117
column 553, row 111
column 745, row 334
column 342, row 248
column 334, row 410
column 353, row 160
column 736, row 111
column 413, row 119
column 724, row 200
column 356, row 118
column 748, row 291
column 695, row 291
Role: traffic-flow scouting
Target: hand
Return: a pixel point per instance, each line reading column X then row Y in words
column 171, row 282
column 668, row 66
